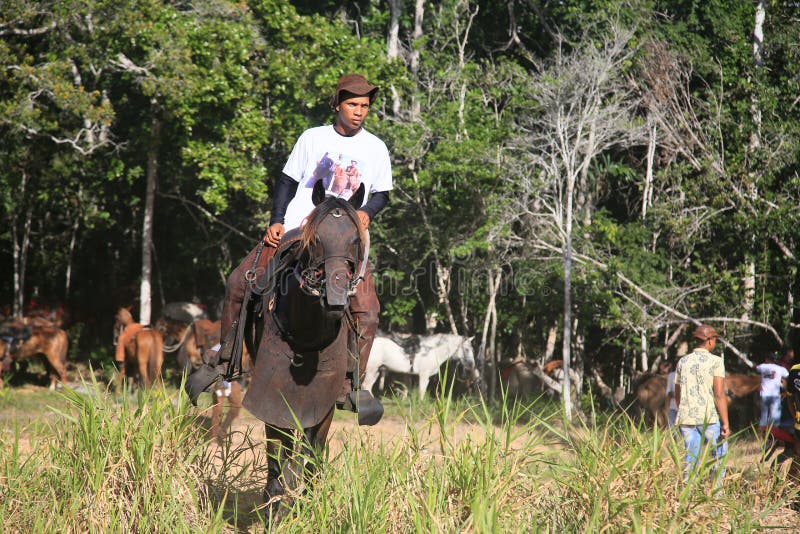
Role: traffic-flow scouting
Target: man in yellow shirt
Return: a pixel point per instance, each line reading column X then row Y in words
column 702, row 404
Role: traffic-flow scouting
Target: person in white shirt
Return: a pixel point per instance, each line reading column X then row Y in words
column 672, row 406
column 322, row 153
column 772, row 378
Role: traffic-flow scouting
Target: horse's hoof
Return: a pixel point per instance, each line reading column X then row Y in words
column 273, row 497
column 273, row 490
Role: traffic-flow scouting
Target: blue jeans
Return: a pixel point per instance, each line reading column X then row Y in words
column 770, row 411
column 693, row 438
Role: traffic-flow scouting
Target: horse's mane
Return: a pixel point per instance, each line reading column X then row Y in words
column 316, row 217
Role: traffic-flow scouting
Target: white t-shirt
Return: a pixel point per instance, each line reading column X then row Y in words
column 343, row 163
column 771, row 375
column 671, row 389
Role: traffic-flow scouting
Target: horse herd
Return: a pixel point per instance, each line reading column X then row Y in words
column 188, row 333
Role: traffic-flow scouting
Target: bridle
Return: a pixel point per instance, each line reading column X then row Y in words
column 312, row 277
column 471, row 377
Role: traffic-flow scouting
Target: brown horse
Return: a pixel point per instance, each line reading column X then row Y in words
column 303, row 356
column 191, row 341
column 651, row 394
column 142, row 349
column 45, row 339
column 518, row 379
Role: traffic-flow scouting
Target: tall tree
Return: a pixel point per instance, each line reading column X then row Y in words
column 581, row 107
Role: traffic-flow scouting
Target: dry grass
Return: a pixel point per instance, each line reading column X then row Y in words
column 104, row 465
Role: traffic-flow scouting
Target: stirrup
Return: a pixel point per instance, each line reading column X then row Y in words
column 368, row 408
column 202, row 380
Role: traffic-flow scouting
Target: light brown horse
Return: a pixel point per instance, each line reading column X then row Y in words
column 45, row 339
column 143, row 349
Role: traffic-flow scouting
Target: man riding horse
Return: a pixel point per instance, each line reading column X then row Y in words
column 292, row 203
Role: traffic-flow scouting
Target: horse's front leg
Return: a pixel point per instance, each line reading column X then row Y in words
column 423, row 384
column 314, row 446
column 234, row 408
column 292, row 458
column 279, row 445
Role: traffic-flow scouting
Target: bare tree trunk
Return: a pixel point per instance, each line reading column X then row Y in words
column 72, row 242
column 462, row 93
column 493, row 338
column 21, row 247
column 749, row 281
column 443, row 279
column 578, row 351
column 393, row 45
column 749, row 285
column 647, row 190
column 550, row 346
column 419, row 12
column 567, row 341
column 145, row 291
column 584, row 193
column 19, row 277
column 487, row 321
column 643, row 350
column 393, row 34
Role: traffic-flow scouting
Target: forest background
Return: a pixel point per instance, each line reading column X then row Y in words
column 577, row 179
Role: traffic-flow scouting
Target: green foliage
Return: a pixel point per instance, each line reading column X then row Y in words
column 232, row 85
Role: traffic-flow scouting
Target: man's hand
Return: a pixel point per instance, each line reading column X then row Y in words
column 274, row 234
column 724, row 431
column 363, row 217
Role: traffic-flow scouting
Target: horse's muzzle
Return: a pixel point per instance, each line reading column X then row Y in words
column 337, row 283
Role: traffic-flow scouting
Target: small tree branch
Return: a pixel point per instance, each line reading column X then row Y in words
column 28, row 32
column 207, row 213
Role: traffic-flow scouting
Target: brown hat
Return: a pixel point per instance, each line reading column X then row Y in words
column 355, row 84
column 704, row 332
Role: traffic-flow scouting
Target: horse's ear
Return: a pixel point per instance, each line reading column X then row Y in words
column 318, row 193
column 469, row 339
column 358, row 197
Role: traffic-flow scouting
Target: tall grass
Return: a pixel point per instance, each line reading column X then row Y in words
column 454, row 466
column 104, row 466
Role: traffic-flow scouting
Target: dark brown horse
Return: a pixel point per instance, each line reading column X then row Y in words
column 143, row 349
column 41, row 338
column 191, row 341
column 303, row 355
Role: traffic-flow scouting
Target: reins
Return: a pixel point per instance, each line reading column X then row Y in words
column 173, row 348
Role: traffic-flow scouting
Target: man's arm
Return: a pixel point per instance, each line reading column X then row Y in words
column 721, row 402
column 678, row 394
column 376, row 203
column 285, row 190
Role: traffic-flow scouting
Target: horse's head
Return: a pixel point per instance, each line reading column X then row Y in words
column 123, row 317
column 333, row 244
column 466, row 354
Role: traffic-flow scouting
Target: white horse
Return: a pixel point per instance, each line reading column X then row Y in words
column 433, row 352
